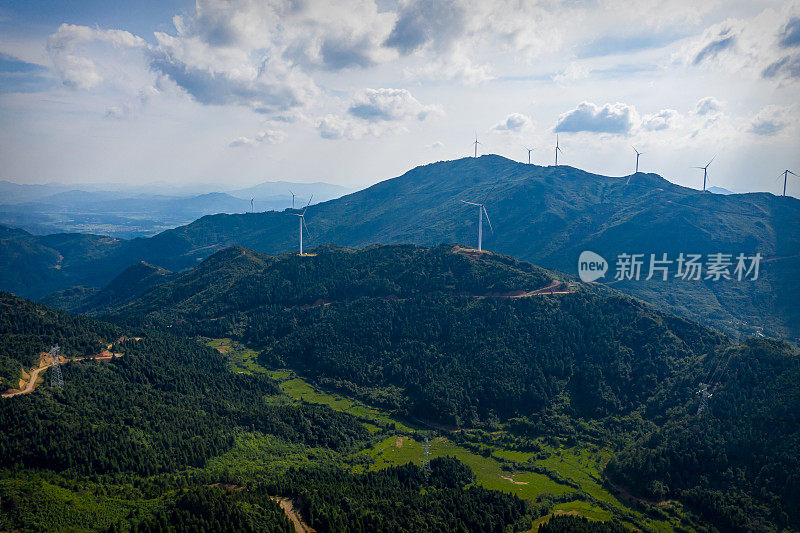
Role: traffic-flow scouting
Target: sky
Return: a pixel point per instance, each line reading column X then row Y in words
column 236, row 92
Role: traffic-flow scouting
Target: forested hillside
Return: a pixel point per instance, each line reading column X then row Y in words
column 547, row 215
column 28, row 329
column 465, row 340
column 738, row 462
column 143, row 441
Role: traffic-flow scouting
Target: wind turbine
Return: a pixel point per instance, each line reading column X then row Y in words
column 785, row 176
column 476, row 143
column 705, row 171
column 290, row 192
column 529, row 153
column 558, row 149
column 303, row 223
column 252, row 209
column 638, row 153
column 481, row 212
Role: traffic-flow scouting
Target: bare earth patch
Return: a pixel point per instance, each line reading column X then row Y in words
column 293, row 514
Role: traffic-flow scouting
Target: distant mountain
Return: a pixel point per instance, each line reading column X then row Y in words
column 128, row 212
column 720, row 190
column 547, row 215
column 278, row 194
column 131, row 283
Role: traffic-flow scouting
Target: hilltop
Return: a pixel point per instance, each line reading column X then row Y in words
column 546, row 215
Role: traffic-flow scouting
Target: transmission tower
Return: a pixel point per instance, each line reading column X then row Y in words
column 56, row 379
column 426, row 458
column 704, row 396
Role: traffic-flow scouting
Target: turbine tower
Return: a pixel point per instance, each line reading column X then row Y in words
column 302, row 217
column 705, row 171
column 476, row 143
column 290, row 192
column 252, row 209
column 529, row 153
column 481, row 212
column 638, row 153
column 56, row 378
column 558, row 149
column 785, row 176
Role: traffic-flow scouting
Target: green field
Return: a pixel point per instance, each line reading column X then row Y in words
column 576, row 471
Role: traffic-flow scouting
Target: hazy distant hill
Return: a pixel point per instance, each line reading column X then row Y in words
column 546, row 215
column 128, row 212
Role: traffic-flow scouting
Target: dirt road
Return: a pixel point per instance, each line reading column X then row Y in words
column 46, row 362
column 294, row 515
column 31, row 383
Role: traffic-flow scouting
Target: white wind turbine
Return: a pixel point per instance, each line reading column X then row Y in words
column 476, row 143
column 638, row 153
column 558, row 149
column 785, row 177
column 529, row 153
column 705, row 171
column 481, row 212
column 290, row 192
column 303, row 223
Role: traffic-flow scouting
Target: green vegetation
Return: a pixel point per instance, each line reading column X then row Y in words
column 317, row 379
column 28, row 329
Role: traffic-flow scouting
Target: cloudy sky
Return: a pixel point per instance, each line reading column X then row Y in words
column 235, row 92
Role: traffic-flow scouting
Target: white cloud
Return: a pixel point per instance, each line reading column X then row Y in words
column 766, row 46
column 573, row 72
column 515, row 122
column 376, row 105
column 616, row 118
column 78, row 71
column 708, row 106
column 771, row 120
column 663, row 120
column 263, row 137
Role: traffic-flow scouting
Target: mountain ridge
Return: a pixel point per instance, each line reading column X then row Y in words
column 546, row 215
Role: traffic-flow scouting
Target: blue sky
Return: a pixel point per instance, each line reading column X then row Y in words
column 236, row 92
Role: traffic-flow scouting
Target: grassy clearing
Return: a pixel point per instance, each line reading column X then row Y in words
column 255, row 454
column 240, row 358
column 526, row 485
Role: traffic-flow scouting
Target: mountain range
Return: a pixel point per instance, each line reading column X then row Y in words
column 546, row 215
column 135, row 212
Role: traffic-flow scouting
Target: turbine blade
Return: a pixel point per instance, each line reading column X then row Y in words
column 470, row 203
column 309, row 202
column 487, row 218
column 712, row 160
column 306, row 226
column 792, row 173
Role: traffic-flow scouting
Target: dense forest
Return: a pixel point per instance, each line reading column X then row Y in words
column 143, row 425
column 426, row 330
column 435, row 335
column 589, row 365
column 738, row 462
column 27, row 329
